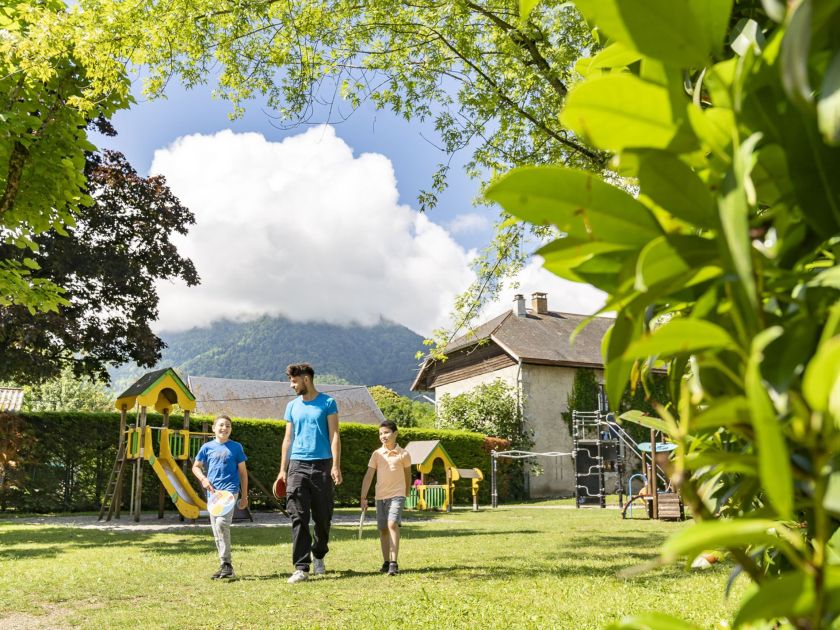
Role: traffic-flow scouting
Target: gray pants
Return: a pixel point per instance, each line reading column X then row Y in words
column 221, row 533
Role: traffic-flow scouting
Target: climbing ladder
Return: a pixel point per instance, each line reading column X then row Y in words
column 114, row 487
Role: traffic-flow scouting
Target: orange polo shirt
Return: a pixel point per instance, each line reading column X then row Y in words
column 390, row 468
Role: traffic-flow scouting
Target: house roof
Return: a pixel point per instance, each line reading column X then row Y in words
column 543, row 339
column 241, row 398
column 11, row 399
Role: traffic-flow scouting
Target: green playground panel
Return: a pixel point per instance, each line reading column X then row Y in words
column 412, row 499
column 435, row 496
column 176, row 444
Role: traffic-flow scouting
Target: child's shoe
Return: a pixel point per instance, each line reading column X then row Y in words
column 226, row 571
column 384, row 567
column 393, row 569
column 218, row 573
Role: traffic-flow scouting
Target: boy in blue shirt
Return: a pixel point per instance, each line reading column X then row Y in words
column 314, row 469
column 224, row 463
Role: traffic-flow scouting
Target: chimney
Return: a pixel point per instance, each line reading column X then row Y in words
column 539, row 303
column 519, row 305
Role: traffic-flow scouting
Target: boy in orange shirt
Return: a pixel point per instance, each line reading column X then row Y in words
column 392, row 467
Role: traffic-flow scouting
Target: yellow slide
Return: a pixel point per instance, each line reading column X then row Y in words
column 188, row 502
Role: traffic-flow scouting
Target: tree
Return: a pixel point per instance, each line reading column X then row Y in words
column 723, row 268
column 52, row 82
column 67, row 392
column 402, row 410
column 491, row 409
column 108, row 264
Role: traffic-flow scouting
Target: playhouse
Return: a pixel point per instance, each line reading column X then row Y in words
column 428, row 496
column 160, row 390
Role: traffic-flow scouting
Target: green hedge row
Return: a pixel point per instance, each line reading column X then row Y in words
column 61, row 461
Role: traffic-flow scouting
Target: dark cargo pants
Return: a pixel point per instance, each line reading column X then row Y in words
column 309, row 489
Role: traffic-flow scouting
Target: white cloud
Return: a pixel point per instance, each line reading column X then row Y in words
column 564, row 296
column 305, row 229
column 469, row 222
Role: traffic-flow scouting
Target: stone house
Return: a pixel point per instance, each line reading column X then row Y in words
column 530, row 349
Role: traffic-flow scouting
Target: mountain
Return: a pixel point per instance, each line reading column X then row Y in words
column 383, row 354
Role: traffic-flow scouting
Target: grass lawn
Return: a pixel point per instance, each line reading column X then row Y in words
column 531, row 566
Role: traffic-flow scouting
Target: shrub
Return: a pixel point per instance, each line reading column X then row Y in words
column 63, row 460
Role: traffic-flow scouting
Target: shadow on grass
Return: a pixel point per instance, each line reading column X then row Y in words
column 50, row 542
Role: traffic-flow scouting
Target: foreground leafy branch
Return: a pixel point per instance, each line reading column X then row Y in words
column 723, row 269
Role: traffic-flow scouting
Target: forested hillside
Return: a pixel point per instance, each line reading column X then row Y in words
column 261, row 349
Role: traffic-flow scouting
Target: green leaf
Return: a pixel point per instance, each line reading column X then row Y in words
column 715, row 127
column 652, row 621
column 681, row 335
column 727, row 534
column 675, row 187
column 651, row 422
column 616, row 55
column 795, row 47
column 734, row 209
column 670, row 257
column 579, row 203
column 828, row 103
column 564, row 256
column 821, row 383
column 723, row 461
column 786, row 356
column 722, row 413
column 832, row 494
column 774, row 462
column 621, row 111
column 677, row 32
column 525, row 8
column 616, row 367
column 827, row 278
column 747, row 36
column 791, row 595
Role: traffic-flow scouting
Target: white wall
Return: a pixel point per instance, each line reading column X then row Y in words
column 508, row 375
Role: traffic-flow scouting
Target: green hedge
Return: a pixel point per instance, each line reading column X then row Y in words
column 63, row 460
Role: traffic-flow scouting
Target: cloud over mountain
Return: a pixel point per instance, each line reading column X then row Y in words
column 306, row 229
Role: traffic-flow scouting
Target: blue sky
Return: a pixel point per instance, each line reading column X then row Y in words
column 314, row 222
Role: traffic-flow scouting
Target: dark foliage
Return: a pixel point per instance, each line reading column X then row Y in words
column 108, row 263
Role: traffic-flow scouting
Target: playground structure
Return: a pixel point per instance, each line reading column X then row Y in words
column 160, row 390
column 432, row 496
column 600, row 446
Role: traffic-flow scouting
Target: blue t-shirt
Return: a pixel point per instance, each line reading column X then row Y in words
column 309, row 426
column 221, row 461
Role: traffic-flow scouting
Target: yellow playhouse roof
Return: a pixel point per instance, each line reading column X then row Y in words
column 159, row 389
column 424, row 452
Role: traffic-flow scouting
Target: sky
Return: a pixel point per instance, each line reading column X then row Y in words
column 318, row 222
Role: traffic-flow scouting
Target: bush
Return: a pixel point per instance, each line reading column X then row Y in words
column 63, row 460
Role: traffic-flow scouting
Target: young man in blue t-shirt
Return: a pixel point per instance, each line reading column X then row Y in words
column 220, row 465
column 314, row 469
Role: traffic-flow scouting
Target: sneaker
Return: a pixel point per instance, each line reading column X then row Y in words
column 218, row 573
column 384, row 567
column 393, row 569
column 226, row 571
column 298, row 576
column 318, row 567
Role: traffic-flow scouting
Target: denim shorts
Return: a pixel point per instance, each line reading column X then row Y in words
column 389, row 510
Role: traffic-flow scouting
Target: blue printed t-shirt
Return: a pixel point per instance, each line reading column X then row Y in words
column 309, row 426
column 221, row 461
